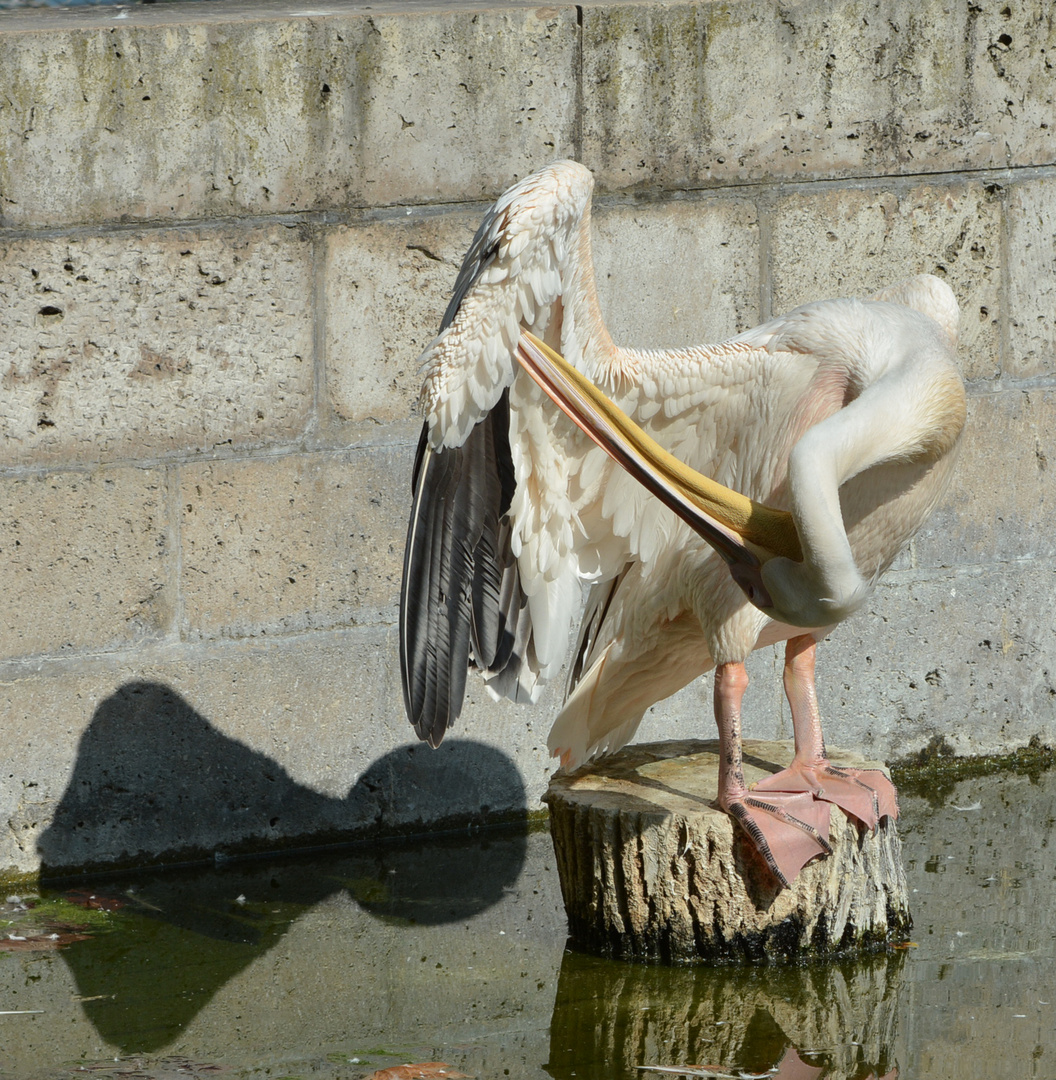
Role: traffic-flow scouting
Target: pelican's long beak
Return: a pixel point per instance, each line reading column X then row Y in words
column 745, row 533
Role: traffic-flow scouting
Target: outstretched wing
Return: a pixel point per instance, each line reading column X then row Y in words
column 471, row 593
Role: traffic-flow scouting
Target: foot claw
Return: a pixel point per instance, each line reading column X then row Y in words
column 880, row 784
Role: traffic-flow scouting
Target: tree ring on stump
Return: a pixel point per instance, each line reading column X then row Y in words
column 652, row 870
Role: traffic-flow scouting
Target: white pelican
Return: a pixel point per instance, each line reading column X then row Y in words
column 842, row 416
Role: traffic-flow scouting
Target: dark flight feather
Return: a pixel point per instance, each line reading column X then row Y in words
column 461, row 603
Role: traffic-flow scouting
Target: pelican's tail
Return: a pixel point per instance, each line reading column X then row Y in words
column 593, row 722
column 624, row 679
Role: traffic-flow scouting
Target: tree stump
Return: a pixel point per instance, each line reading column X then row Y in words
column 651, row 870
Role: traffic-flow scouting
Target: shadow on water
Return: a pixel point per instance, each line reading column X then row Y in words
column 834, row 1020
column 153, row 774
column 179, row 938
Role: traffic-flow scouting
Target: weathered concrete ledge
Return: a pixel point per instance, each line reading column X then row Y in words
column 227, row 232
column 176, row 113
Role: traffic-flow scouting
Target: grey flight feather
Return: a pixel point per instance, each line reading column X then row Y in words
column 461, row 603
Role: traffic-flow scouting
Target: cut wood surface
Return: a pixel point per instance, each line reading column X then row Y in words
column 651, row 869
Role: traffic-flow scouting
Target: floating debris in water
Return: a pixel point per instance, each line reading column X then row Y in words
column 52, row 936
column 712, row 1072
column 94, row 901
column 426, row 1070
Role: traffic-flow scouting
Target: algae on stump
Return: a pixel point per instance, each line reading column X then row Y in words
column 650, row 869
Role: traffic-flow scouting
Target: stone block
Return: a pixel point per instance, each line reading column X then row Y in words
column 225, row 745
column 140, row 344
column 678, row 273
column 457, row 105
column 83, row 558
column 191, row 749
column 963, row 658
column 695, row 94
column 1032, row 279
column 287, row 739
column 187, row 116
column 1001, row 505
column 1011, row 80
column 387, row 286
column 850, row 242
column 304, row 736
column 205, row 117
column 293, row 543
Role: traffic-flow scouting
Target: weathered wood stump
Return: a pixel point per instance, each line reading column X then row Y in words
column 651, row 870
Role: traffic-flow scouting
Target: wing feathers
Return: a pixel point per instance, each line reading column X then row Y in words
column 432, row 605
column 511, row 275
column 491, row 566
column 461, row 601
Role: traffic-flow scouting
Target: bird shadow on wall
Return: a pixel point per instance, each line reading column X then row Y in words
column 154, row 775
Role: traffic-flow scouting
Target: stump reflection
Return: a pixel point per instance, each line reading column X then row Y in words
column 835, row 1020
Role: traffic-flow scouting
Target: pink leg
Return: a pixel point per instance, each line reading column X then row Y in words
column 788, row 828
column 866, row 794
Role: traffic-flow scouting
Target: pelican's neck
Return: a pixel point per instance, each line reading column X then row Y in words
column 585, row 339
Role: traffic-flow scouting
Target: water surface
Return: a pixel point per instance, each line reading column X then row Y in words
column 455, row 950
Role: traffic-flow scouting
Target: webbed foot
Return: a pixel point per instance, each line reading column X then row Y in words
column 789, row 829
column 865, row 794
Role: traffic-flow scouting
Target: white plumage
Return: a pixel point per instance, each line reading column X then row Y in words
column 846, row 413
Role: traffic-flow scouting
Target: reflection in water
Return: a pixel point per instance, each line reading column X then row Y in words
column 181, row 937
column 178, row 940
column 836, row 1020
column 444, row 880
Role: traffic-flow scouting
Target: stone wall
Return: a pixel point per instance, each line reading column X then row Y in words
column 226, row 233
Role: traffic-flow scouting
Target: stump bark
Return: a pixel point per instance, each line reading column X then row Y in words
column 651, row 870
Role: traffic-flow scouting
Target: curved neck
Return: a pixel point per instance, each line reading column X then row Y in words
column 585, row 339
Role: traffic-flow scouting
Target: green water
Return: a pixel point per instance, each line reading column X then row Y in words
column 455, row 951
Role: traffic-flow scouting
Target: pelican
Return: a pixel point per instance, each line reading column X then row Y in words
column 716, row 499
